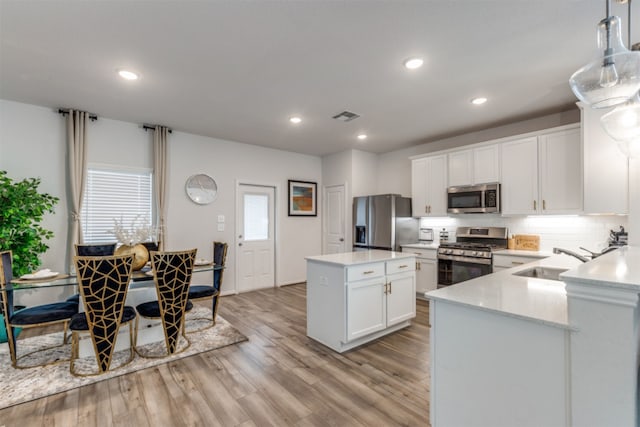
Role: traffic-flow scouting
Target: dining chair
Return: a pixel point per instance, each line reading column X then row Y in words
column 103, row 282
column 100, row 249
column 206, row 292
column 31, row 317
column 172, row 276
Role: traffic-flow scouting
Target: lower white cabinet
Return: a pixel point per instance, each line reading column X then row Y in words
column 426, row 268
column 351, row 304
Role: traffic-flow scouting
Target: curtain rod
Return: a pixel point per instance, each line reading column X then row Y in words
column 65, row 111
column 153, row 127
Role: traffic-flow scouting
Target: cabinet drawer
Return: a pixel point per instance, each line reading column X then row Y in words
column 421, row 253
column 508, row 261
column 366, row 271
column 401, row 265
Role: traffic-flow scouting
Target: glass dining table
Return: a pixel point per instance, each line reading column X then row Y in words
column 141, row 289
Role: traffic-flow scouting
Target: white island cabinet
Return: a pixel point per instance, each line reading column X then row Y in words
column 355, row 297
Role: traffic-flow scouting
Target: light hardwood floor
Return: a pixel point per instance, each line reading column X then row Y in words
column 279, row 377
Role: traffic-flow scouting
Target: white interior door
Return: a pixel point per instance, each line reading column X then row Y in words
column 256, row 240
column 334, row 231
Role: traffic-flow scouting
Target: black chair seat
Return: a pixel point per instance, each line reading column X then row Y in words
column 44, row 313
column 202, row 291
column 79, row 321
column 152, row 308
column 74, row 298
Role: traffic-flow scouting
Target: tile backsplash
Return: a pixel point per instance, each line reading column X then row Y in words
column 565, row 231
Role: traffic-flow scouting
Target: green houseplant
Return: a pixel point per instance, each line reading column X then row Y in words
column 22, row 209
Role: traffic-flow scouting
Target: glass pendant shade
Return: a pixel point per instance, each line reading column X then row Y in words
column 630, row 148
column 623, row 122
column 614, row 76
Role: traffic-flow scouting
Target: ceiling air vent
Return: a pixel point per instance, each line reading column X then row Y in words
column 346, row 116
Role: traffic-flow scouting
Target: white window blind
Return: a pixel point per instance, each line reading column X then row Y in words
column 125, row 196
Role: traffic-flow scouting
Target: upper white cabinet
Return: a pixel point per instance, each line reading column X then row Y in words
column 520, row 176
column 543, row 174
column 606, row 169
column 560, row 165
column 479, row 165
column 429, row 186
column 460, row 168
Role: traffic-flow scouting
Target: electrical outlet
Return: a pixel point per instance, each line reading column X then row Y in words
column 221, row 227
column 220, row 218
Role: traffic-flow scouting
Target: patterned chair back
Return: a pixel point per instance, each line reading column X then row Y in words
column 6, row 295
column 219, row 258
column 103, row 283
column 106, row 249
column 172, row 272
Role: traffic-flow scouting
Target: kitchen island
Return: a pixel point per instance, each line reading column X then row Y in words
column 511, row 350
column 356, row 297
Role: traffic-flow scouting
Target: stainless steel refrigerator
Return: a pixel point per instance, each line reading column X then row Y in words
column 383, row 222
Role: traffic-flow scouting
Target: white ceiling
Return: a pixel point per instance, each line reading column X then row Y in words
column 238, row 69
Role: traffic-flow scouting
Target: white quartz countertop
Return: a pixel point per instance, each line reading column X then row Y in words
column 617, row 269
column 359, row 257
column 530, row 254
column 539, row 300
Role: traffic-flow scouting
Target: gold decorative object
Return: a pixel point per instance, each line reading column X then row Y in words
column 140, row 254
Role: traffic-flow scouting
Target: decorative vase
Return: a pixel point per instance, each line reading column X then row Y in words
column 140, row 254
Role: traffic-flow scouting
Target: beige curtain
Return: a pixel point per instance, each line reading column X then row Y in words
column 77, row 165
column 160, row 179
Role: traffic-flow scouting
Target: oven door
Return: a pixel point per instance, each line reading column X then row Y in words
column 467, row 270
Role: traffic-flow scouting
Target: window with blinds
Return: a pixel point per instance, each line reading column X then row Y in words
column 122, row 195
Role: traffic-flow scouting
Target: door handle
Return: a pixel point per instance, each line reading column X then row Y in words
column 341, row 239
column 240, row 244
column 535, row 205
column 368, row 272
column 403, row 266
column 544, row 205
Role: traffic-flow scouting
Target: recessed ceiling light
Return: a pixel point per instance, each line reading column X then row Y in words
column 128, row 75
column 362, row 136
column 295, row 120
column 413, row 63
column 479, row 100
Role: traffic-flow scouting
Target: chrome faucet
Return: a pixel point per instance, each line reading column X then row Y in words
column 573, row 254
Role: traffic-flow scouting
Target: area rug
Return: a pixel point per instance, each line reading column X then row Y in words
column 22, row 385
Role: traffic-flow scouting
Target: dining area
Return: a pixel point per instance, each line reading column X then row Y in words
column 119, row 314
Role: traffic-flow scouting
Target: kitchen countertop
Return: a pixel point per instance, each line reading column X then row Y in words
column 359, row 257
column 617, row 269
column 539, row 300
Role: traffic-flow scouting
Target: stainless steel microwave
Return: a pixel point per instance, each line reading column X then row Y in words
column 482, row 198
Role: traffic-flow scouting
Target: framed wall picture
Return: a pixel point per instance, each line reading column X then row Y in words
column 303, row 196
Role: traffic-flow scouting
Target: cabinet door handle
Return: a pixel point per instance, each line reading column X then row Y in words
column 403, row 266
column 385, row 288
column 426, row 209
column 389, row 287
column 544, row 204
column 368, row 272
column 516, row 263
column 417, row 266
column 535, row 205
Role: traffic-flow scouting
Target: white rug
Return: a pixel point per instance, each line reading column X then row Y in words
column 22, row 385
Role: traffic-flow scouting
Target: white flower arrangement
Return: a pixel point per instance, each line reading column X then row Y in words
column 139, row 231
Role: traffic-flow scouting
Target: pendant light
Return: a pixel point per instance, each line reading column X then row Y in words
column 623, row 122
column 614, row 76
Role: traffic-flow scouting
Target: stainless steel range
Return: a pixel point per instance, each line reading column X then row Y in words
column 471, row 255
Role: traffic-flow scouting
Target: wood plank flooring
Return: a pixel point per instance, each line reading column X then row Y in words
column 280, row 377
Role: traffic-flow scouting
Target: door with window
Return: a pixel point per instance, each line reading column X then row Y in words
column 256, row 237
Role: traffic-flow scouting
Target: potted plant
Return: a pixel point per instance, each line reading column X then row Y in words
column 22, row 209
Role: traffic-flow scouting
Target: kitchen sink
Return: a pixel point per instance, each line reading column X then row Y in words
column 548, row 273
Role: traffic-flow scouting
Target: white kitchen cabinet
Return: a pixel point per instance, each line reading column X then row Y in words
column 560, row 166
column 479, row 165
column 429, row 186
column 460, row 168
column 542, row 174
column 355, row 297
column 426, row 268
column 606, row 168
column 519, row 189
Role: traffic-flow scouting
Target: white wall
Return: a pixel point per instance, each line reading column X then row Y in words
column 32, row 144
column 364, row 173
